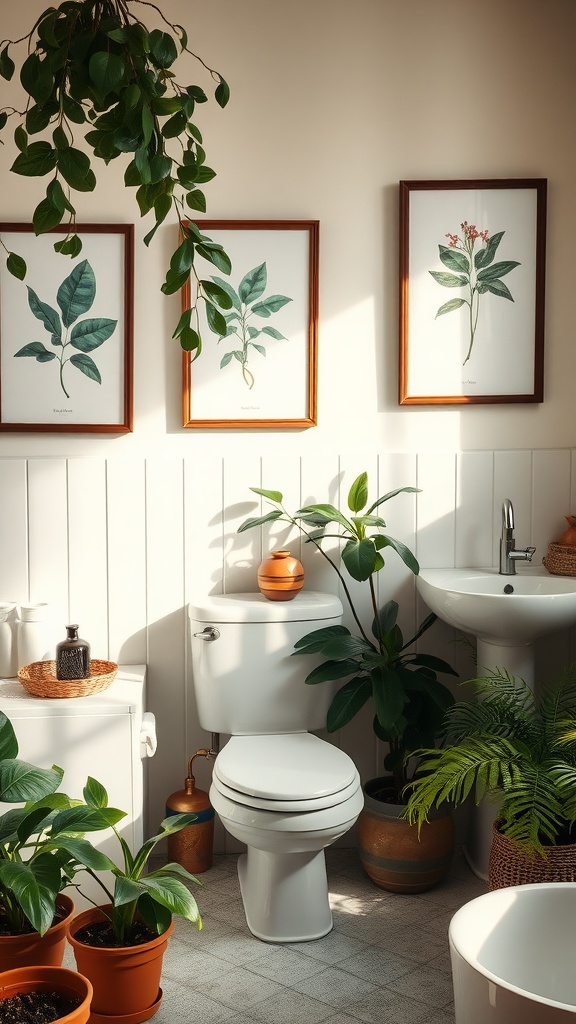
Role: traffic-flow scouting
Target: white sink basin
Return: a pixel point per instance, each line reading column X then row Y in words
column 480, row 601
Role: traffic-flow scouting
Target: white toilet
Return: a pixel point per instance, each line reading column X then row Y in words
column 278, row 788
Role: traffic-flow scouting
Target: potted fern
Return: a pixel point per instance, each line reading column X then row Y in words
column 376, row 664
column 517, row 748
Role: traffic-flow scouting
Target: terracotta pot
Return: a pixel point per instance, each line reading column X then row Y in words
column 391, row 852
column 32, row 949
column 509, row 864
column 50, row 979
column 126, row 980
column 280, row 577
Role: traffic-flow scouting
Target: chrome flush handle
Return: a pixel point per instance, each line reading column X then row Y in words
column 209, row 633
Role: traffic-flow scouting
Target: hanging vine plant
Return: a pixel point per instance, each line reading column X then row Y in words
column 92, row 66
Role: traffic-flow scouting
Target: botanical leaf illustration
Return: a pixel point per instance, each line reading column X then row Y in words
column 87, row 365
column 37, row 349
column 238, row 322
column 75, row 296
column 89, row 334
column 475, row 271
column 48, row 316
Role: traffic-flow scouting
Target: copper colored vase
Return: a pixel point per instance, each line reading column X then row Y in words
column 280, row 577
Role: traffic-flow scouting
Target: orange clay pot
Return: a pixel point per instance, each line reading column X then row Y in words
column 126, row 980
column 50, row 979
column 280, row 577
column 33, row 949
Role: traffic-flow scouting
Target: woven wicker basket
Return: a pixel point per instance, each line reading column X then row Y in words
column 511, row 865
column 40, row 680
column 560, row 560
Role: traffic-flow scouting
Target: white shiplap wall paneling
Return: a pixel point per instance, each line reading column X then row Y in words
column 512, row 479
column 474, row 503
column 87, row 546
column 572, row 483
column 13, row 530
column 550, row 498
column 166, row 624
column 399, row 513
column 320, row 485
column 203, row 526
column 124, row 545
column 242, row 551
column 436, row 512
column 126, row 515
column 48, row 539
column 203, row 545
column 284, row 476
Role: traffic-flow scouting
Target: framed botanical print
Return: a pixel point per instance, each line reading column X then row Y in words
column 66, row 331
column 261, row 370
column 472, row 278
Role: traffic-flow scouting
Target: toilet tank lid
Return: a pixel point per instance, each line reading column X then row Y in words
column 254, row 607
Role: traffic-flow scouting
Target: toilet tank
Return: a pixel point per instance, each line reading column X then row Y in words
column 246, row 681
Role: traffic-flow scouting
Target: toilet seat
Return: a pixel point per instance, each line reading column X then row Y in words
column 295, row 772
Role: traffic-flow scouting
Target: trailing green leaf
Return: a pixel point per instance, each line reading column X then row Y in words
column 94, row 65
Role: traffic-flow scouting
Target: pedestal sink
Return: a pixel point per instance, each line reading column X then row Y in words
column 507, row 614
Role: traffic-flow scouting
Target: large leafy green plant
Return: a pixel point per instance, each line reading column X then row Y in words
column 41, row 844
column 92, row 66
column 155, row 896
column 378, row 664
column 511, row 745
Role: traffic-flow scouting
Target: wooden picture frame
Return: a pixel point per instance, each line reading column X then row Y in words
column 76, row 315
column 472, row 279
column 231, row 385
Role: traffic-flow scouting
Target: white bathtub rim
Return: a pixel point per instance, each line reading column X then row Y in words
column 497, row 979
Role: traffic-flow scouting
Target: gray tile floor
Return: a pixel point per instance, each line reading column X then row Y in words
column 386, row 960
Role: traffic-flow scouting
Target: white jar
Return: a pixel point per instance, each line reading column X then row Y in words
column 8, row 653
column 33, row 640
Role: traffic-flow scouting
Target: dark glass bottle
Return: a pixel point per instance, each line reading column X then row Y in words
column 72, row 656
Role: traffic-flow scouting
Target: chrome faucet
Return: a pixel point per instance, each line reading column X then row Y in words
column 509, row 555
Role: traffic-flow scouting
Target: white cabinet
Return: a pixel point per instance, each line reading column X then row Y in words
column 107, row 735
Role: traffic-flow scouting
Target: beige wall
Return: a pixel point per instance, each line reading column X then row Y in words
column 332, row 104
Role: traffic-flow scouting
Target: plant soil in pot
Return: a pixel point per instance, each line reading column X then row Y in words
column 40, row 995
column 30, row 948
column 125, row 979
column 392, row 853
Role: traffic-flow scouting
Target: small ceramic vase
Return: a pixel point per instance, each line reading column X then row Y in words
column 280, row 577
column 33, row 641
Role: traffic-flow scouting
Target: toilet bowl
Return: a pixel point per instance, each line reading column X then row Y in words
column 287, row 797
column 277, row 787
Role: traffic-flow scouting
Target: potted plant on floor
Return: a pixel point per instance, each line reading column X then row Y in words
column 43, row 995
column 36, row 859
column 119, row 946
column 94, row 68
column 379, row 666
column 519, row 749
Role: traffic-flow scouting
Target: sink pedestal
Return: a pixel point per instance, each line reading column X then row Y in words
column 518, row 661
